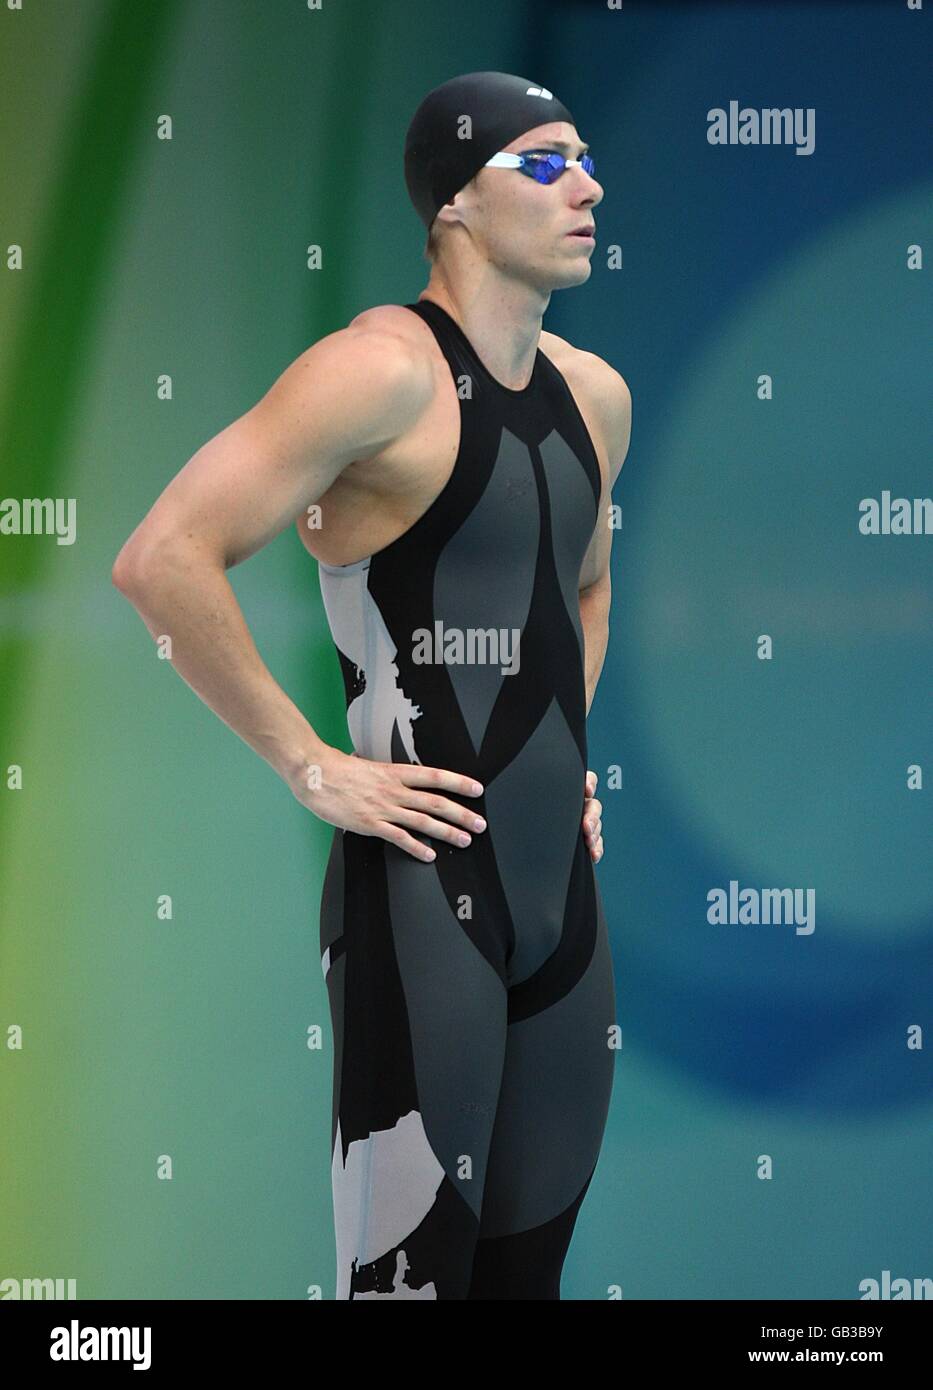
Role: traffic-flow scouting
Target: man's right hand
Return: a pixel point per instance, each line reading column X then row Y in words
column 389, row 799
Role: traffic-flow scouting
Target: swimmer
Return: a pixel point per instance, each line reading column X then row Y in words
column 462, row 458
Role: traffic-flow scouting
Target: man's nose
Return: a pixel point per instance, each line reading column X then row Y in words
column 591, row 192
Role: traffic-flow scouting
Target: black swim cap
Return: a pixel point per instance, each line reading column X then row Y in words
column 438, row 162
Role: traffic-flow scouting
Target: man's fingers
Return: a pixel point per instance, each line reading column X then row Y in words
column 592, row 816
column 433, row 805
column 397, row 836
column 595, row 847
column 427, row 825
column 437, row 778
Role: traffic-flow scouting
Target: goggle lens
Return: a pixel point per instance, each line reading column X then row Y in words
column 547, row 167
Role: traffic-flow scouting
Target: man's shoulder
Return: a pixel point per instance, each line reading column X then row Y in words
column 393, row 320
column 394, row 334
column 591, row 370
column 596, row 381
column 382, row 345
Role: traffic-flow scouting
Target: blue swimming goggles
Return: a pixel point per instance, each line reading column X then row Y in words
column 544, row 165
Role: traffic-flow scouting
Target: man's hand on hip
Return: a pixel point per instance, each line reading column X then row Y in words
column 592, row 818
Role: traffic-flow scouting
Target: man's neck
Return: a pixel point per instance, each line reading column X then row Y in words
column 502, row 320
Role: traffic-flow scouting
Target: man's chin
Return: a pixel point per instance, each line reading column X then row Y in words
column 576, row 272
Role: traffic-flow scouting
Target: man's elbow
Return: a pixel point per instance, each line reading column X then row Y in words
column 122, row 572
column 134, row 566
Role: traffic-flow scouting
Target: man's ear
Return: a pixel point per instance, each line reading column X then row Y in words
column 449, row 213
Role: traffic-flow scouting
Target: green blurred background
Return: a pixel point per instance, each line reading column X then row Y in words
column 188, row 1037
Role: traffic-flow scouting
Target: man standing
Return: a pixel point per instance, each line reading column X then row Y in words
column 462, row 460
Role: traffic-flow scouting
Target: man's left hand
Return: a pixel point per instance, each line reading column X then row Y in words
column 592, row 818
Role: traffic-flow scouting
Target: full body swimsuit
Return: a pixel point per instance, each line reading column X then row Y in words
column 472, row 997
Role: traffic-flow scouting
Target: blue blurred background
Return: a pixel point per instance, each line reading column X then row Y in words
column 739, row 517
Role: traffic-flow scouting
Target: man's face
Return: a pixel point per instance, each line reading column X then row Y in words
column 526, row 227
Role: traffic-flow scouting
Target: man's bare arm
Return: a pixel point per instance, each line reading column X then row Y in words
column 344, row 399
column 595, row 580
